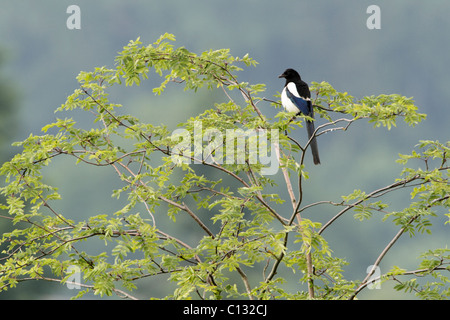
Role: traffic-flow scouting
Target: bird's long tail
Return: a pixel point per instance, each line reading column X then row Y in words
column 313, row 143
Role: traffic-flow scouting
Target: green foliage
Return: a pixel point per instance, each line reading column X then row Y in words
column 434, row 261
column 243, row 226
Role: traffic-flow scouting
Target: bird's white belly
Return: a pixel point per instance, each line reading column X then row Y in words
column 287, row 103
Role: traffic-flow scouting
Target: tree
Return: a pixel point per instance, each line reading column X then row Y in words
column 238, row 221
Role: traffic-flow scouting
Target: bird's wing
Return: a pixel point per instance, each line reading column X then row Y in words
column 303, row 104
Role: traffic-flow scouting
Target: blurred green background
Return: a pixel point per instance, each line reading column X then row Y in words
column 325, row 40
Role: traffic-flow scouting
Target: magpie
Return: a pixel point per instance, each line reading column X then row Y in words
column 296, row 97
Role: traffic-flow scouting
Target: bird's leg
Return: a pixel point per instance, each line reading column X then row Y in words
column 292, row 119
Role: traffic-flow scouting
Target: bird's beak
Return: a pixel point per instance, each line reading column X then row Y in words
column 281, row 76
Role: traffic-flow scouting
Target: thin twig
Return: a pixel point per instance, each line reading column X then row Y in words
column 373, row 194
column 246, row 283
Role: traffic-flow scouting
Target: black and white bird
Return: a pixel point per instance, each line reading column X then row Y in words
column 296, row 97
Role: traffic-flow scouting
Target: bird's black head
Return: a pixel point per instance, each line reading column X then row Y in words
column 290, row 75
